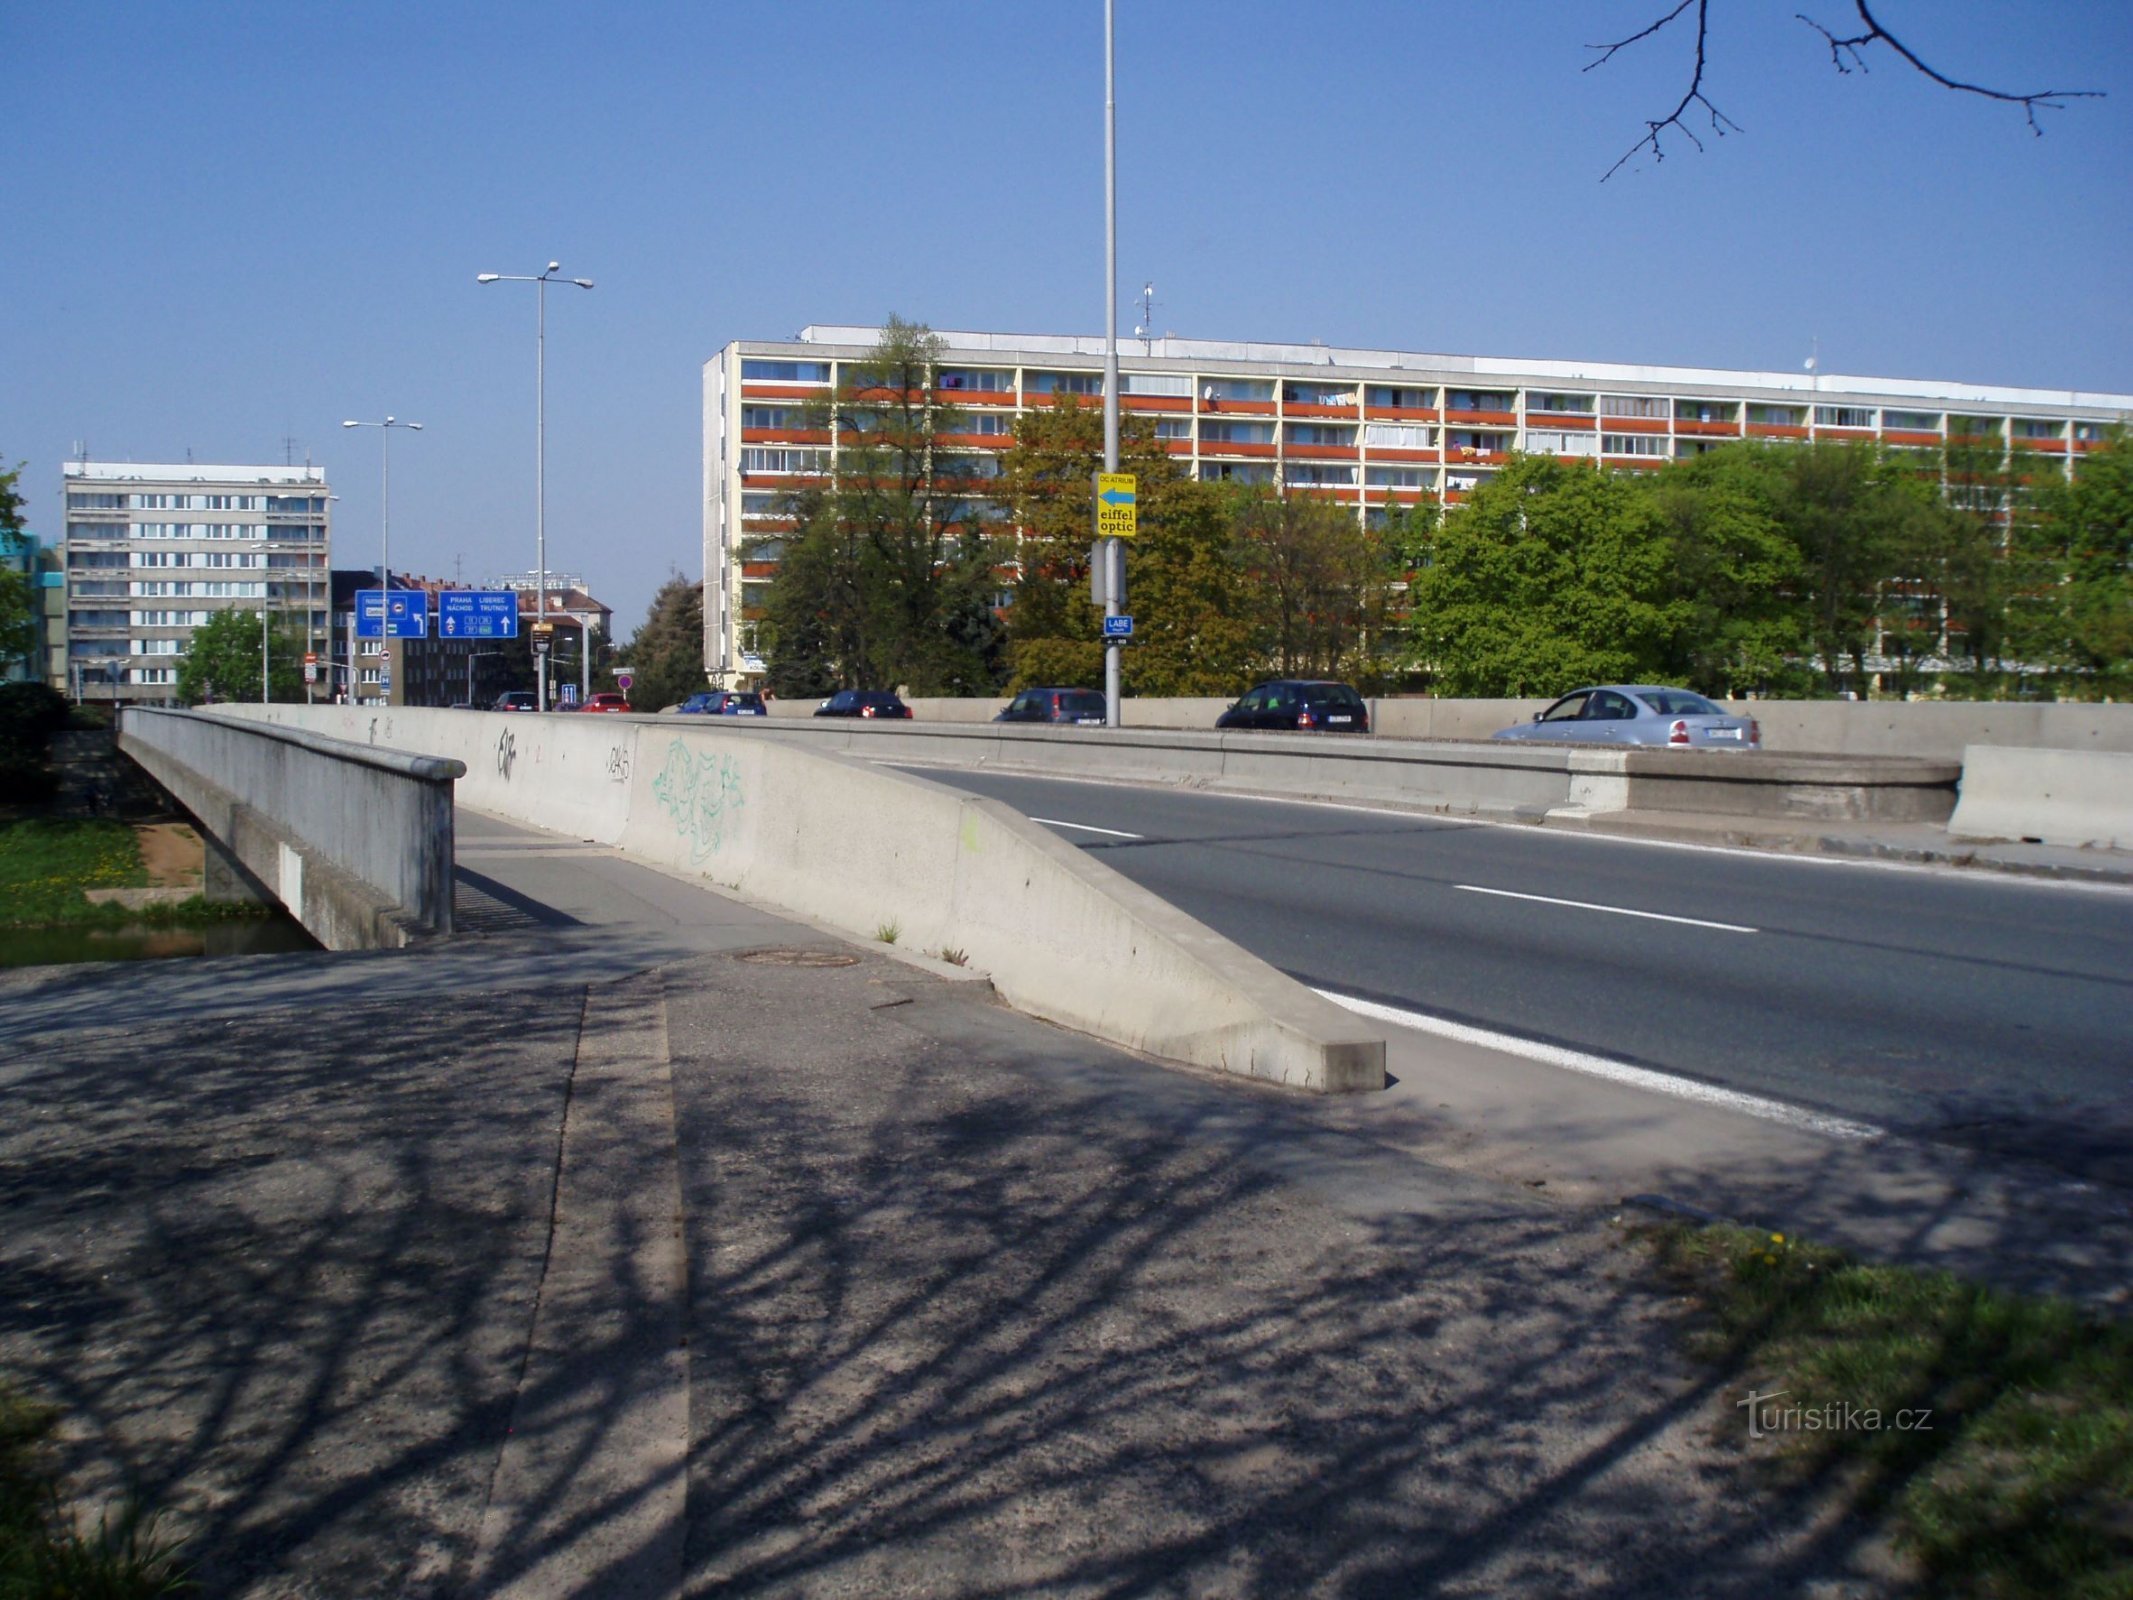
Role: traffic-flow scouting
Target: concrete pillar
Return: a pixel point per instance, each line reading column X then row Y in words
column 228, row 881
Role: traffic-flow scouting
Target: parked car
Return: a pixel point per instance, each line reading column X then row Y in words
column 1639, row 714
column 863, row 703
column 1084, row 707
column 1307, row 705
column 724, row 703
column 516, row 700
column 606, row 702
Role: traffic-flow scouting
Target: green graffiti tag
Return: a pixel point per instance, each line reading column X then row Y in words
column 700, row 795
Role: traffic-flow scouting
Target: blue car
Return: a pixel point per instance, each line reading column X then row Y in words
column 725, row 703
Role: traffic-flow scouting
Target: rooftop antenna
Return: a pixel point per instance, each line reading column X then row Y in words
column 288, row 451
column 1145, row 332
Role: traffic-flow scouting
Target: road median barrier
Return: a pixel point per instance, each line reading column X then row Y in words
column 2082, row 798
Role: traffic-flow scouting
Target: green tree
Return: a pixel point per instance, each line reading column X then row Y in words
column 18, row 600
column 889, row 577
column 1548, row 576
column 2083, row 534
column 1322, row 582
column 1190, row 599
column 222, row 660
column 1047, row 484
column 1734, row 576
column 666, row 653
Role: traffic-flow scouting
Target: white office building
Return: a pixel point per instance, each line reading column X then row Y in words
column 153, row 552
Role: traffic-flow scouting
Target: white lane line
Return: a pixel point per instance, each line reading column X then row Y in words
column 1619, row 911
column 1054, row 822
column 1753, row 1105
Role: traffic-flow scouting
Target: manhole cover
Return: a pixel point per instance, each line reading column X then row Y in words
column 800, row 958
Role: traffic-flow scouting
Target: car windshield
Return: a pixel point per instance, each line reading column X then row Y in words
column 1678, row 703
column 1333, row 696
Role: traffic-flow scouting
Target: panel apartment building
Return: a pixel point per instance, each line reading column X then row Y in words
column 152, row 552
column 1364, row 428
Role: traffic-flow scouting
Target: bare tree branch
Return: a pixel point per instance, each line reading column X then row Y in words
column 1844, row 55
column 1721, row 124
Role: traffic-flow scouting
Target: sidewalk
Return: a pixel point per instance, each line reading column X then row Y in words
column 365, row 1269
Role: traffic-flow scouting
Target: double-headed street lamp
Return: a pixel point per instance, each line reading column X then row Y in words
column 385, row 542
column 540, row 436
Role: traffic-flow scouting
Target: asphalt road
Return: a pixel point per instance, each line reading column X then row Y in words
column 1983, row 1011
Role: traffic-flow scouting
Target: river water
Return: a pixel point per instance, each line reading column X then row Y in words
column 140, row 941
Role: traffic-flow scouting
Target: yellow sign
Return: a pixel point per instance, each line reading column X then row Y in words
column 1117, row 505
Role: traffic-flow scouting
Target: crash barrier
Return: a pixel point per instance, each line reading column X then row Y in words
column 1934, row 730
column 356, row 842
column 2071, row 797
column 877, row 853
column 1508, row 779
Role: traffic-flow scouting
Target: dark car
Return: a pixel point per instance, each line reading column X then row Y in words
column 724, row 703
column 863, row 703
column 516, row 700
column 1307, row 705
column 1084, row 707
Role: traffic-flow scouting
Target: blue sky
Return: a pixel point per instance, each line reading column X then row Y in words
column 232, row 224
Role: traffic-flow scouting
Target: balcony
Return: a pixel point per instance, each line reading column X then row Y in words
column 1401, row 413
column 1709, row 430
column 1484, row 419
column 1905, row 436
column 1776, row 430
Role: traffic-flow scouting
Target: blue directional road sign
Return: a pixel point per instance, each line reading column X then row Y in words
column 403, row 614
column 1118, row 627
column 477, row 614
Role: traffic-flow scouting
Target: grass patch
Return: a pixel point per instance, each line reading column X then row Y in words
column 43, row 1556
column 2014, row 1473
column 889, row 932
column 46, row 863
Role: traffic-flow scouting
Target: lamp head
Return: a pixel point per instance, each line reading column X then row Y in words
column 582, row 283
column 487, row 277
column 555, row 266
column 415, row 425
column 351, row 424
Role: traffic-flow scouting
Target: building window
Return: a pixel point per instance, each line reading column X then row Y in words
column 1063, row 383
column 1479, row 400
column 1844, row 417
column 2033, row 428
column 785, row 371
column 988, row 422
column 1173, row 427
column 1236, row 433
column 1912, row 421
column 1318, row 394
column 765, row 417
column 1632, row 405
column 1255, row 390
column 1320, row 433
column 1570, row 405
column 976, row 380
column 1319, row 474
column 1176, row 385
column 1556, row 442
column 782, row 461
column 1401, row 399
column 1632, row 444
column 1705, row 411
column 1399, row 436
column 1236, row 472
column 1398, row 477
column 1778, row 416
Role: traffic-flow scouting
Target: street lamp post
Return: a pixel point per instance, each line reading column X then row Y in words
column 385, row 539
column 1112, row 553
column 540, row 436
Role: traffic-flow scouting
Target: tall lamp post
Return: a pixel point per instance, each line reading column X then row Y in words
column 541, row 281
column 385, row 539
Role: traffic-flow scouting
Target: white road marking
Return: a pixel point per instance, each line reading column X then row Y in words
column 1054, row 822
column 1753, row 1105
column 1619, row 911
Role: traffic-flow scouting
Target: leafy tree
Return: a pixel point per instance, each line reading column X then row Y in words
column 18, row 600
column 1191, row 600
column 1047, row 483
column 666, row 653
column 1733, row 576
column 2084, row 531
column 1322, row 582
column 222, row 661
column 889, row 578
column 1548, row 576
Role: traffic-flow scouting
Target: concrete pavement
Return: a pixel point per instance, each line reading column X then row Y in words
column 356, row 1265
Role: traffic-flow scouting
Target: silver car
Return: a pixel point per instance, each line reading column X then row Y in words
column 1639, row 714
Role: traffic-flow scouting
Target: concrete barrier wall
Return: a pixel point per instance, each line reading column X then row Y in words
column 1517, row 781
column 1060, row 935
column 1935, row 730
column 356, row 842
column 2072, row 797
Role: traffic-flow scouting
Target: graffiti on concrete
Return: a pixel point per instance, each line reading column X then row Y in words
column 618, row 763
column 701, row 795
column 506, row 753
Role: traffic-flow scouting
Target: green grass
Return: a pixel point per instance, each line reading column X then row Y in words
column 43, row 1556
column 2019, row 1482
column 46, row 863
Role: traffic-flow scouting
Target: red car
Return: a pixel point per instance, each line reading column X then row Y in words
column 606, row 702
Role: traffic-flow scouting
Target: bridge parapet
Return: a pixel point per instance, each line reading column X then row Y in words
column 355, row 841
